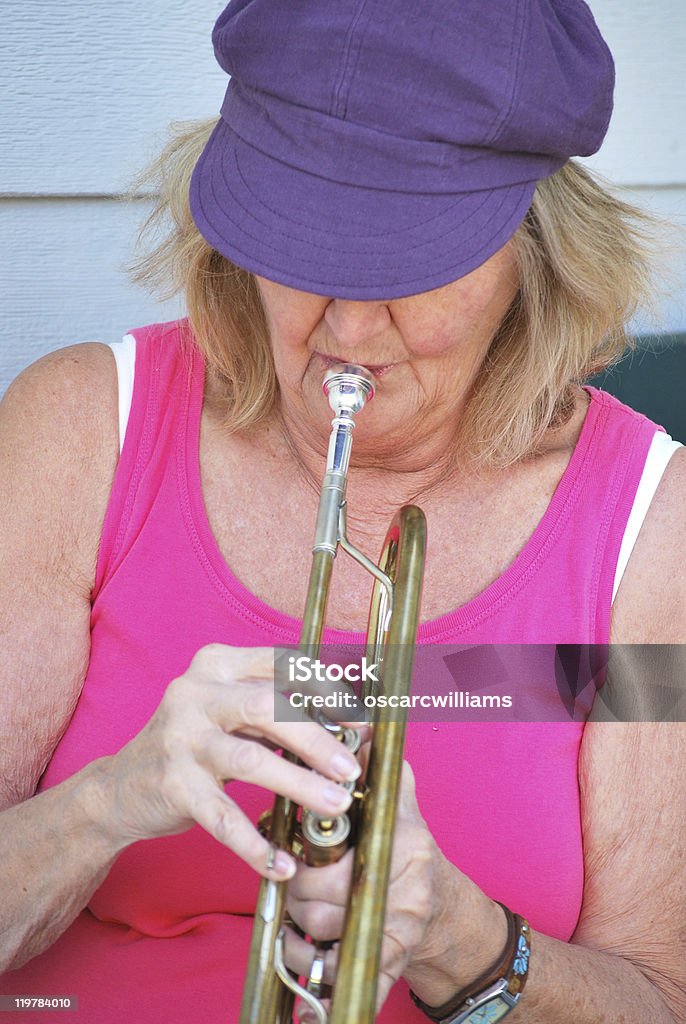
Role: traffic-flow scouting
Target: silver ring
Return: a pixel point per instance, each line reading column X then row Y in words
column 316, row 977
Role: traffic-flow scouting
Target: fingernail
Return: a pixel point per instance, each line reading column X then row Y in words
column 345, row 766
column 283, row 865
column 336, row 798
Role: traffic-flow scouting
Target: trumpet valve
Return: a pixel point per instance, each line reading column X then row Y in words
column 325, row 840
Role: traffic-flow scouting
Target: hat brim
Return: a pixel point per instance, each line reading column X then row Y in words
column 341, row 240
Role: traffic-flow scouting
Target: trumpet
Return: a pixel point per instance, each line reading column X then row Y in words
column 270, row 988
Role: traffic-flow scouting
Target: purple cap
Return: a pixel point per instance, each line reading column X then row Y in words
column 371, row 149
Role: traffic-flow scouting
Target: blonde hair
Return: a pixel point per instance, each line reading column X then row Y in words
column 583, row 257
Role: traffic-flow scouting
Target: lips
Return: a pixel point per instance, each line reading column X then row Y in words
column 378, row 369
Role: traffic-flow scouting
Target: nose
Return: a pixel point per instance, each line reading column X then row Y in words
column 354, row 323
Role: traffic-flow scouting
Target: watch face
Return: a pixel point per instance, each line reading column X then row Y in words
column 495, row 1009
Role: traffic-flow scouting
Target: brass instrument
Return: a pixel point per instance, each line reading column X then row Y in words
column 270, row 988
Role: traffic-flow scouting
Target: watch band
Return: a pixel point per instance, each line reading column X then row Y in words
column 495, row 992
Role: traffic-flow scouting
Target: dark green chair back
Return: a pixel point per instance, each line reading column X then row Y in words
column 652, row 379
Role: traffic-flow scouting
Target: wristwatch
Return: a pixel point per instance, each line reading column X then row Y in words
column 494, row 994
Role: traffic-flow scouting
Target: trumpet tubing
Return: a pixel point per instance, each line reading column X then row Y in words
column 270, row 989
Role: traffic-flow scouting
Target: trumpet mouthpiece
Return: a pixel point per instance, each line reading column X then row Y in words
column 348, row 388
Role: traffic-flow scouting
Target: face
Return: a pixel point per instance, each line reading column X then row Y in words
column 424, row 352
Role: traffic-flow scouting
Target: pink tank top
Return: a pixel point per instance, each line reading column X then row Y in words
column 165, row 937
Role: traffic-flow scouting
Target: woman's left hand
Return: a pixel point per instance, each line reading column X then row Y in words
column 317, row 898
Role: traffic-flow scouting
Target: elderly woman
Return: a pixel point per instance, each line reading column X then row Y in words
column 388, row 186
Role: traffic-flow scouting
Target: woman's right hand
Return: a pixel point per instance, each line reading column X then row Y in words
column 216, row 723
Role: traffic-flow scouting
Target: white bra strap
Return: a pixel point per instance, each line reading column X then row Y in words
column 660, row 452
column 125, row 357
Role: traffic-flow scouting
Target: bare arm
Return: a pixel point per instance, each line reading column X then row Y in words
column 54, row 856
column 58, row 450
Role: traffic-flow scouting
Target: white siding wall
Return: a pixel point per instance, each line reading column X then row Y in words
column 88, row 90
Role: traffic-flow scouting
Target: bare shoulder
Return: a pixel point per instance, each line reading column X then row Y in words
column 62, row 404
column 68, row 369
column 59, row 432
column 58, row 454
column 650, row 606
